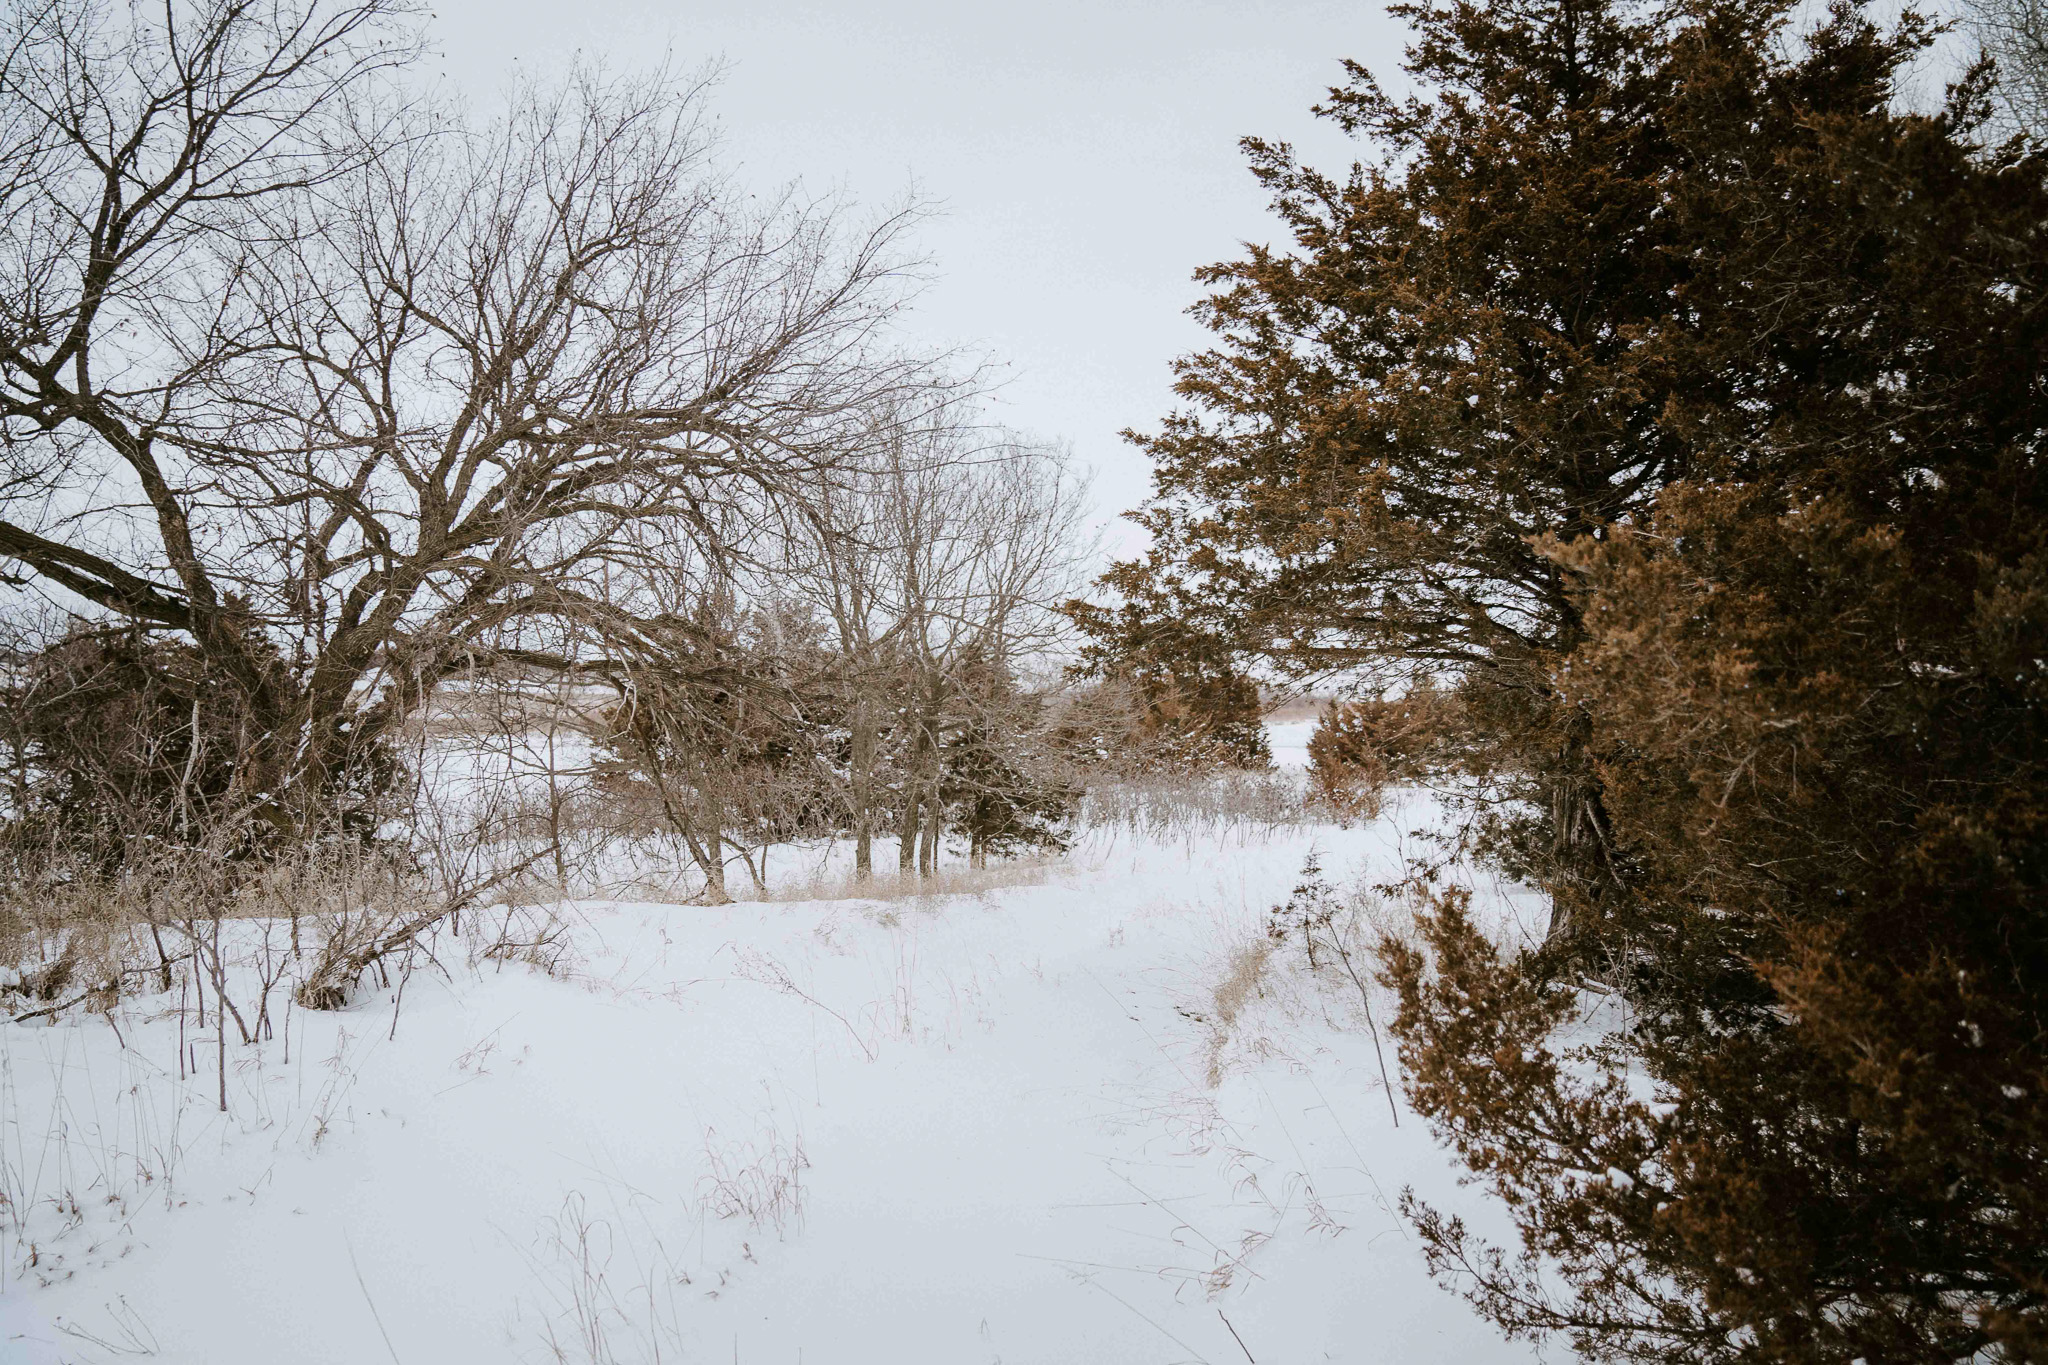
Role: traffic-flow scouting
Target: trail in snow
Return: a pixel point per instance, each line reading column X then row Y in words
column 998, row 1128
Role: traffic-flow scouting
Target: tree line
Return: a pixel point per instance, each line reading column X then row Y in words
column 324, row 401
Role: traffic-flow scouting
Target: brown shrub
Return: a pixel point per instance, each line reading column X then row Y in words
column 1362, row 747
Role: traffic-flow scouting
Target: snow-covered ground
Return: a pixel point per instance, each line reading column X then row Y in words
column 1023, row 1124
column 1289, row 741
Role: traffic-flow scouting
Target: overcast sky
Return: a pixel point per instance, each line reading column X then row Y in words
column 1082, row 155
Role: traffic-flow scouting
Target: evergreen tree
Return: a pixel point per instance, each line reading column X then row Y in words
column 1675, row 395
column 1449, row 366
column 1199, row 708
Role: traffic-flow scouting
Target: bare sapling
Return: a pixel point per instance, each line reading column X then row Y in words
column 1311, row 914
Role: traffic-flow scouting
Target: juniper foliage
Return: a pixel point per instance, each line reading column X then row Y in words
column 1669, row 389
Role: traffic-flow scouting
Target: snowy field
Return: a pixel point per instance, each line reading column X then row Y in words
column 1289, row 741
column 1081, row 1117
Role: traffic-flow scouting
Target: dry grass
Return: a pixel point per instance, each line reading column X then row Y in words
column 604, row 1312
column 1298, row 709
column 959, row 879
column 761, row 1181
column 1174, row 808
column 1318, row 961
column 1244, row 980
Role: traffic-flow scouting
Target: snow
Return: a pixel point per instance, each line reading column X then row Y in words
column 1289, row 741
column 1008, row 1125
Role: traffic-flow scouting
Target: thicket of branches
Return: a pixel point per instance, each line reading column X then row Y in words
column 1653, row 430
column 344, row 389
column 332, row 413
column 870, row 668
column 2014, row 35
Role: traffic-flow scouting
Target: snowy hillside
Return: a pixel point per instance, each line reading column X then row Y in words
column 1083, row 1116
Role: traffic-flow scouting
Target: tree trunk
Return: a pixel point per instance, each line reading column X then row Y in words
column 934, row 821
column 863, row 793
column 714, row 819
column 907, row 828
column 1582, row 872
column 710, row 850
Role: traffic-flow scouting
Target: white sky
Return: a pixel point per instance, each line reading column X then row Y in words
column 1082, row 153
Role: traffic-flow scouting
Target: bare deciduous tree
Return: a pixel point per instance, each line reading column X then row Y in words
column 341, row 388
column 981, row 541
column 2014, row 33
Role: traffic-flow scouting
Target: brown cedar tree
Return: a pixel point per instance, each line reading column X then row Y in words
column 1669, row 392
